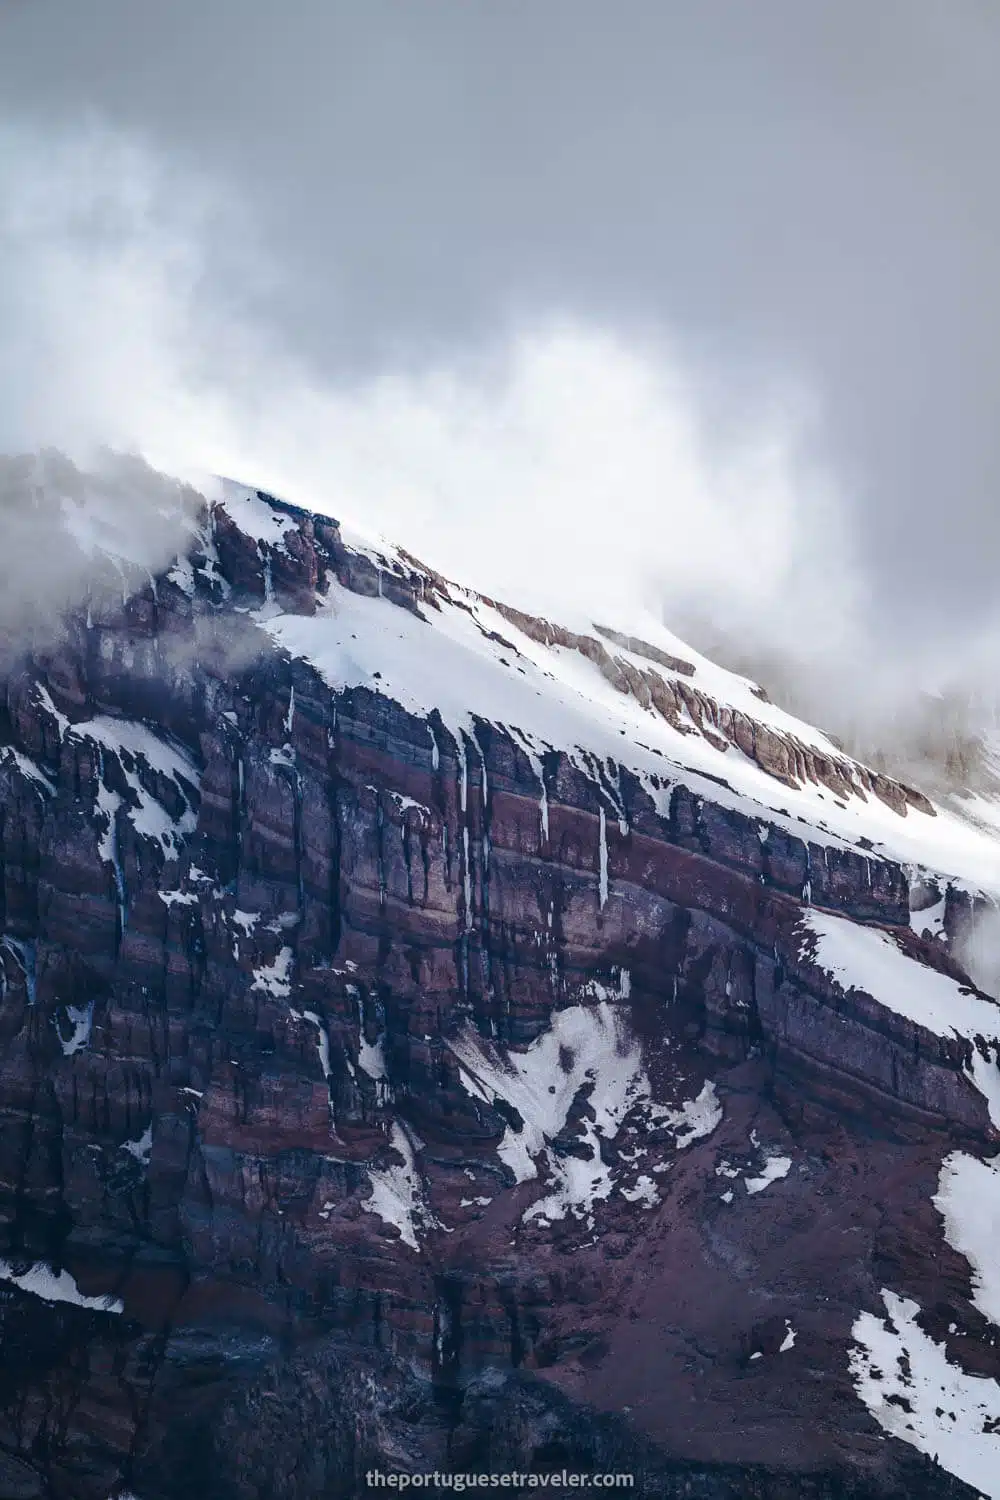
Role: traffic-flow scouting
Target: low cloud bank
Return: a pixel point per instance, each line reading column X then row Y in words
column 566, row 467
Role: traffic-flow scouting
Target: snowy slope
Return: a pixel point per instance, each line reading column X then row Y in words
column 917, row 1394
column 870, row 959
column 468, row 661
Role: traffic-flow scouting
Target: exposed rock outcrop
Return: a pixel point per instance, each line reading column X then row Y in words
column 348, row 1074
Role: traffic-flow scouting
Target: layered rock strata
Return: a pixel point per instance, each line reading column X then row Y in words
column 329, row 1059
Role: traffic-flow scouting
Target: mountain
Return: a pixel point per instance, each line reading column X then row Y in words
column 434, row 1037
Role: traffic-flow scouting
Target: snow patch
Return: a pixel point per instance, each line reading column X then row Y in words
column 696, row 1117
column 930, row 919
column 178, row 898
column 45, row 699
column 371, row 1055
column 405, row 803
column 587, row 1047
column 916, row 1394
column 140, row 1149
column 42, row 1281
column 131, row 742
column 868, row 958
column 81, row 1018
column 322, row 1043
column 397, row 1192
column 274, row 979
column 24, row 954
column 644, row 1192
column 182, row 575
column 984, row 1073
column 254, row 517
column 620, row 987
column 28, row 769
column 968, row 1199
column 775, row 1167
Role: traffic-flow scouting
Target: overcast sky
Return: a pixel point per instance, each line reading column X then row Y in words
column 490, row 245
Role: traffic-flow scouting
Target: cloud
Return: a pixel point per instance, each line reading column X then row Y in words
column 109, row 323
column 117, row 524
column 978, row 951
column 563, row 464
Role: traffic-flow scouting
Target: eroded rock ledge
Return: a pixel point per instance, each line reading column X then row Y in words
column 246, row 923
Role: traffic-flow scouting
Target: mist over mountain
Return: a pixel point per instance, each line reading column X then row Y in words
column 563, row 446
column 114, row 524
column 942, row 740
column 499, row 749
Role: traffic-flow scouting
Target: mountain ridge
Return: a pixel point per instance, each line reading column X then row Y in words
column 460, row 1041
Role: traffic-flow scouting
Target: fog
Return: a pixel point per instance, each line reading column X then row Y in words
column 75, row 537
column 978, row 951
column 630, row 310
column 563, row 465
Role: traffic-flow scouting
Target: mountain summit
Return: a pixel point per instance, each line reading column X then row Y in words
column 436, row 1038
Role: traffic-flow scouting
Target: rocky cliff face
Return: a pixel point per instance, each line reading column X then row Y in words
column 379, row 1088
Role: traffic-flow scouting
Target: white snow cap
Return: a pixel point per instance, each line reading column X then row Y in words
column 469, row 661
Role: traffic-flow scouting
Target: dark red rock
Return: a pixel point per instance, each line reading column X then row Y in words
column 315, row 917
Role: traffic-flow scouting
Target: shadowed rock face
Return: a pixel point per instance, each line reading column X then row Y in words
column 399, row 1129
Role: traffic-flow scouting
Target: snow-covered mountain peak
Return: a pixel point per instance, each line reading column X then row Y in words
column 604, row 695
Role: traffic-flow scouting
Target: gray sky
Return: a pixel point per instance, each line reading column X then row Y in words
column 795, row 196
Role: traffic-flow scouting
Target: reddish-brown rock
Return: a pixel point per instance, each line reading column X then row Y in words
column 215, row 1050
